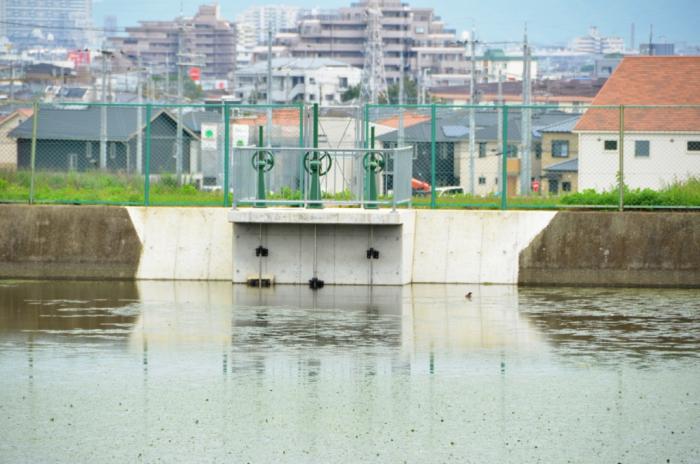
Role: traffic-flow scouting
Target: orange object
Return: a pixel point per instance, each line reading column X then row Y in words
column 419, row 185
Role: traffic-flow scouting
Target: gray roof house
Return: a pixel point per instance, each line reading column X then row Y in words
column 69, row 139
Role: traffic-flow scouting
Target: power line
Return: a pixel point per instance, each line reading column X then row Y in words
column 70, row 28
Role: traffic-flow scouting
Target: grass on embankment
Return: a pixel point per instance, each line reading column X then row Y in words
column 92, row 187
column 101, row 188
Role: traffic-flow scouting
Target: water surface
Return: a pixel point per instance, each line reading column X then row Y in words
column 210, row 372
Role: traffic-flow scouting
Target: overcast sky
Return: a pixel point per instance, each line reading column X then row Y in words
column 549, row 21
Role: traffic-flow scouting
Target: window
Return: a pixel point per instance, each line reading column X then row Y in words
column 553, row 186
column 538, row 150
column 343, row 82
column 610, row 145
column 641, row 148
column 512, row 151
column 566, row 186
column 694, row 146
column 482, row 149
column 482, row 180
column 560, row 148
column 312, row 81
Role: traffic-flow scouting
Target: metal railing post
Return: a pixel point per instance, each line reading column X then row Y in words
column 32, row 161
column 504, row 164
column 227, row 153
column 433, row 155
column 147, row 159
column 621, row 151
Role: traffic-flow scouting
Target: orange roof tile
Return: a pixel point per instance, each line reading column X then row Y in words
column 648, row 80
column 409, row 119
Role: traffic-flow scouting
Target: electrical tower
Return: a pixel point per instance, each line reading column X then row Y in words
column 373, row 74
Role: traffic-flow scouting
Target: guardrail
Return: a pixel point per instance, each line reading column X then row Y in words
column 314, row 177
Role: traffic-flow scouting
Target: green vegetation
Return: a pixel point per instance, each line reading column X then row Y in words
column 685, row 193
column 115, row 188
column 97, row 187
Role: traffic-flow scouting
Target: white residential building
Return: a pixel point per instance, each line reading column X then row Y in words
column 596, row 44
column 661, row 142
column 255, row 22
column 310, row 80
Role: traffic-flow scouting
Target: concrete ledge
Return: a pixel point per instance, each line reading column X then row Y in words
column 331, row 216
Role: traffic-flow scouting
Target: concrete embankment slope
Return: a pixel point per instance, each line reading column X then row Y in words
column 607, row 248
column 446, row 246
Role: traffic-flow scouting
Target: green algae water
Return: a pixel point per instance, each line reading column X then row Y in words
column 210, row 372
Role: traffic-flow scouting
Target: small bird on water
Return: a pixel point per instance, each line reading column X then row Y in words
column 468, row 296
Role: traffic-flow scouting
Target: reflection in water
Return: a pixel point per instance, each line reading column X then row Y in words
column 203, row 371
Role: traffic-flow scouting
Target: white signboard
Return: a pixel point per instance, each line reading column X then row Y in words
column 210, row 136
column 239, row 135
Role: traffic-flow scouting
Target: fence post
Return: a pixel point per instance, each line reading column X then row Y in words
column 227, row 151
column 621, row 151
column 32, row 161
column 147, row 159
column 504, row 164
column 433, row 155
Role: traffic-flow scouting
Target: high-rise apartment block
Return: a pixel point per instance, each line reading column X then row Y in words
column 596, row 44
column 429, row 48
column 206, row 39
column 46, row 23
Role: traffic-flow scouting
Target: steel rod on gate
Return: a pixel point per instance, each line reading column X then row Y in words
column 433, row 155
column 621, row 151
column 504, row 164
column 314, row 167
column 32, row 161
column 147, row 159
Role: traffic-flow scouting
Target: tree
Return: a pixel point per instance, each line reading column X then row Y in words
column 410, row 92
column 351, row 94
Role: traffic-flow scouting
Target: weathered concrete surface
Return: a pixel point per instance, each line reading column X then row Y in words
column 67, row 242
column 183, row 243
column 620, row 249
column 468, row 246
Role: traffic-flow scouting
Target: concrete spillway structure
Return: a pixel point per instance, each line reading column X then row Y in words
column 336, row 246
column 422, row 246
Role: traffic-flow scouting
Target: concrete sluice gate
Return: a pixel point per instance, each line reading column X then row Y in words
column 322, row 246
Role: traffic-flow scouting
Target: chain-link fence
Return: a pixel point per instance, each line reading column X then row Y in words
column 487, row 156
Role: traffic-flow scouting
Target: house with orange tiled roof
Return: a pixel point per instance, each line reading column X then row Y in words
column 661, row 122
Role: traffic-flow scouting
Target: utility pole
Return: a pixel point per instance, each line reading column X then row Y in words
column 167, row 76
column 500, row 103
column 472, row 113
column 401, row 83
column 269, row 84
column 525, row 132
column 651, row 39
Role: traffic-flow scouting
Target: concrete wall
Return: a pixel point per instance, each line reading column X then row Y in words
column 450, row 246
column 473, row 246
column 606, row 248
column 67, row 242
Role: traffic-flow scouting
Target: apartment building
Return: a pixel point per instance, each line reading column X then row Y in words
column 596, row 44
column 254, row 23
column 206, row 39
column 46, row 23
column 429, row 48
column 309, row 80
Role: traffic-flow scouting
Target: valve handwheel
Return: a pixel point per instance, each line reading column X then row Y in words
column 374, row 161
column 324, row 163
column 263, row 159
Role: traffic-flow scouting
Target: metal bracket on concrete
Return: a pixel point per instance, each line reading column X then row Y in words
column 372, row 254
column 316, row 283
column 261, row 251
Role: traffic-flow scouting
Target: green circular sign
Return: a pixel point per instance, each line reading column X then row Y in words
column 209, row 133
